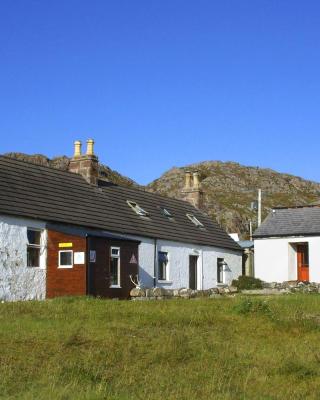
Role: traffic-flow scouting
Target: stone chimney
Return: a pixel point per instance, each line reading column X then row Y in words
column 87, row 164
column 192, row 191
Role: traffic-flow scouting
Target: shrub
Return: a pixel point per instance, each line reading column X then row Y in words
column 247, row 282
column 249, row 306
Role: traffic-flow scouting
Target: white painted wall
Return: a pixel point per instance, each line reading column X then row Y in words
column 178, row 254
column 275, row 259
column 17, row 281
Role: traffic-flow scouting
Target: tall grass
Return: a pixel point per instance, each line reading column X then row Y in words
column 233, row 348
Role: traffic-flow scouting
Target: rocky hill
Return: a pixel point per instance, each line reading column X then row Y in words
column 62, row 162
column 229, row 188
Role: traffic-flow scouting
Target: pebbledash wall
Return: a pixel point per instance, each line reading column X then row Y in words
column 178, row 256
column 275, row 259
column 17, row 281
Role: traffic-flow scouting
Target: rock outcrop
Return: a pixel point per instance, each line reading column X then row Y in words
column 230, row 188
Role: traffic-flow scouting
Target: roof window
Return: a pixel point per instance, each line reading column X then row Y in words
column 166, row 212
column 137, row 209
column 195, row 221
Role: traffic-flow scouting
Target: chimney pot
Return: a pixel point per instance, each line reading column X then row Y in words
column 187, row 180
column 90, row 143
column 196, row 181
column 77, row 148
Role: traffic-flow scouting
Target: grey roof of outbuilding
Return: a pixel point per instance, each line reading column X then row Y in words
column 297, row 221
column 53, row 195
column 246, row 244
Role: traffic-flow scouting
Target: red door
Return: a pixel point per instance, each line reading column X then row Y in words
column 303, row 262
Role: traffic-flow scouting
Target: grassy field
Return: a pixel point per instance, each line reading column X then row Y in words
column 233, row 348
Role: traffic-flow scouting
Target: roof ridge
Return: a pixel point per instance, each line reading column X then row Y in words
column 12, row 159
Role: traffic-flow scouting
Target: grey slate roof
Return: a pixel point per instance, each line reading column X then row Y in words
column 63, row 197
column 246, row 244
column 290, row 222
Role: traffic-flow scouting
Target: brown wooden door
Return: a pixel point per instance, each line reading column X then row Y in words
column 303, row 262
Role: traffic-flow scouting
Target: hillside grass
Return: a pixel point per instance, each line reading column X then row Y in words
column 231, row 348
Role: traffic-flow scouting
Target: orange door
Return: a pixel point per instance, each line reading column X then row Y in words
column 303, row 262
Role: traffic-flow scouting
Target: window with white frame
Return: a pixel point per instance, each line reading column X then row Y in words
column 166, row 212
column 220, row 266
column 195, row 220
column 33, row 247
column 115, row 267
column 137, row 209
column 163, row 266
column 65, row 259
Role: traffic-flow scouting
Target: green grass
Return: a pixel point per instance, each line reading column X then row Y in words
column 233, row 348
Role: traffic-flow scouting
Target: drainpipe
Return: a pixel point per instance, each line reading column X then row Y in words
column 202, row 276
column 155, row 264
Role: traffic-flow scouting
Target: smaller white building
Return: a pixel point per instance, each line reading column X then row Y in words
column 286, row 245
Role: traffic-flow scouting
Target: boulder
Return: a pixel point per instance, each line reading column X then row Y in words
column 185, row 293
column 137, row 292
column 159, row 292
column 233, row 289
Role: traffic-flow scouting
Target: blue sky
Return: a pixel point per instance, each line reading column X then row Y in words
column 163, row 83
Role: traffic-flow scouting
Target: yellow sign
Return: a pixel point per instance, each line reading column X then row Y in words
column 63, row 245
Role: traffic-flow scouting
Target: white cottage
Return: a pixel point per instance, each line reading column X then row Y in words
column 70, row 233
column 286, row 245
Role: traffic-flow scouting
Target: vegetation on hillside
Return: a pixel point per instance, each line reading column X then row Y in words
column 230, row 188
column 229, row 349
column 62, row 162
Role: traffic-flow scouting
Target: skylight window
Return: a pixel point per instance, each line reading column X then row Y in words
column 195, row 221
column 137, row 209
column 166, row 212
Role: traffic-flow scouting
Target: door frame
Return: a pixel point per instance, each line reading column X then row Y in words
column 303, row 263
column 193, row 264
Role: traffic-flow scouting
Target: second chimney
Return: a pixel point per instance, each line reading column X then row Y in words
column 192, row 191
column 87, row 164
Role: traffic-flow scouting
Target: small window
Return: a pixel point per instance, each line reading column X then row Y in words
column 195, row 220
column 115, row 252
column 137, row 209
column 166, row 212
column 163, row 266
column 33, row 247
column 115, row 267
column 65, row 259
column 220, row 265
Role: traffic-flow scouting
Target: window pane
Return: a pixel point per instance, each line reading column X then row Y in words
column 220, row 270
column 65, row 258
column 115, row 252
column 162, row 265
column 33, row 236
column 162, row 271
column 114, row 271
column 33, row 257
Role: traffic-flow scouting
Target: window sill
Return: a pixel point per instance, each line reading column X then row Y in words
column 165, row 281
column 65, row 266
column 115, row 287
